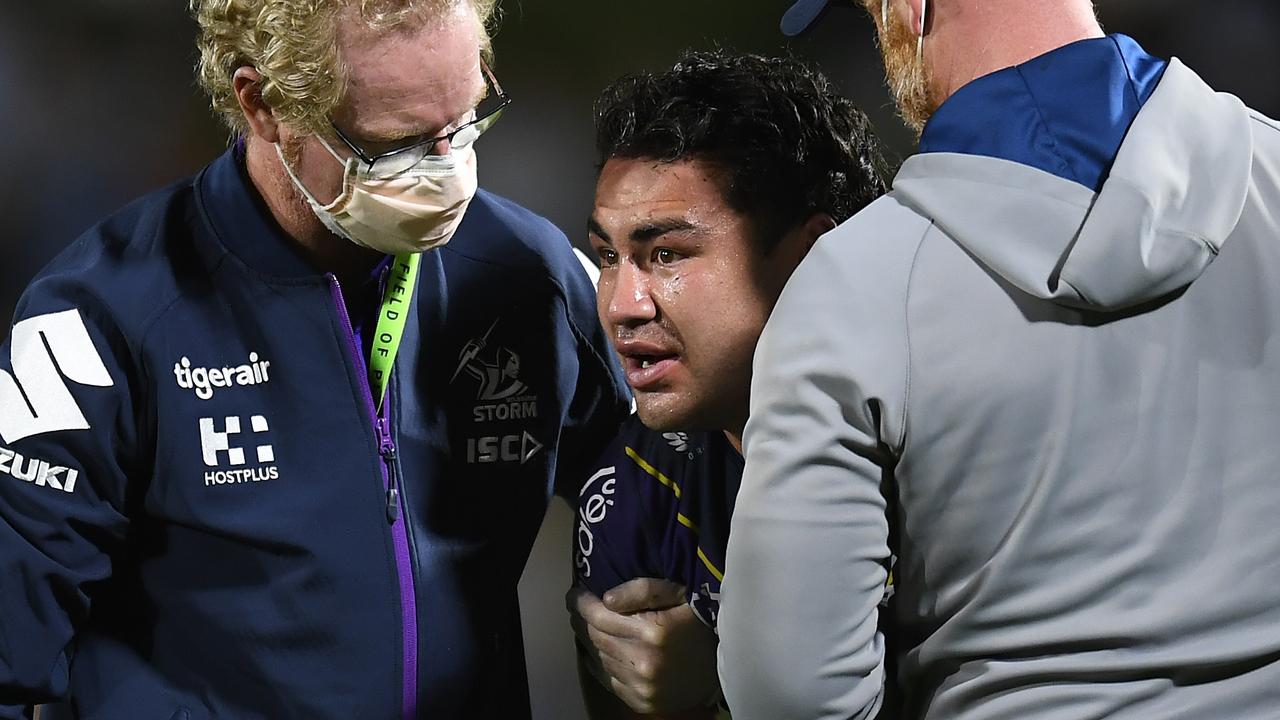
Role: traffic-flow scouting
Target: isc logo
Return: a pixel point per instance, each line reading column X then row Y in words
column 507, row 449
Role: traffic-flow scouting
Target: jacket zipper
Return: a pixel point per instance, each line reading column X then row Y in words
column 387, row 448
column 394, row 509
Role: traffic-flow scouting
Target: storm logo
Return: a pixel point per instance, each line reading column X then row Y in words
column 501, row 393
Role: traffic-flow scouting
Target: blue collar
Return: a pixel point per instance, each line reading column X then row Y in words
column 245, row 226
column 242, row 221
column 1065, row 112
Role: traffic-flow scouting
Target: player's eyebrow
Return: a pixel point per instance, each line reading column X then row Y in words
column 594, row 227
column 658, row 228
column 647, row 232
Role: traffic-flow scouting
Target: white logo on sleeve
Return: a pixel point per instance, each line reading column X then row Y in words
column 217, row 444
column 45, row 350
column 37, row 471
column 593, row 508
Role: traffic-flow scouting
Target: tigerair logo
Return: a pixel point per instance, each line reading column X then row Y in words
column 500, row 394
column 204, row 381
column 219, row 451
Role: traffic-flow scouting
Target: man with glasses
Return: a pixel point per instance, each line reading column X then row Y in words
column 252, row 464
column 1042, row 373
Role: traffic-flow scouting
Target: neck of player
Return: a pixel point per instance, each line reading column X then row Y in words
column 735, row 439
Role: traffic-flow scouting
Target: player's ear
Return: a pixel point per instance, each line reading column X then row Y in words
column 799, row 241
column 816, row 226
column 792, row 248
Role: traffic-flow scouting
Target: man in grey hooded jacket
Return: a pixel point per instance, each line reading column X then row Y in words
column 1044, row 372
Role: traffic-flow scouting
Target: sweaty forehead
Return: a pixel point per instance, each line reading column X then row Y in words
column 634, row 189
column 410, row 80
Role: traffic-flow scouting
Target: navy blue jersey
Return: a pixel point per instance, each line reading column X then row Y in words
column 658, row 505
column 203, row 516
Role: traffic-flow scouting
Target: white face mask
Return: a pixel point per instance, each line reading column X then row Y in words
column 412, row 211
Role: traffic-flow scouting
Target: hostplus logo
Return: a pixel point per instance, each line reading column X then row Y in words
column 204, row 380
column 220, row 450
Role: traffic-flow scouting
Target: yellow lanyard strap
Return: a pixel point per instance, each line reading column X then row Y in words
column 391, row 318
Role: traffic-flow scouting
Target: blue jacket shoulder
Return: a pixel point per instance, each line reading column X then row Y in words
column 126, row 270
column 493, row 222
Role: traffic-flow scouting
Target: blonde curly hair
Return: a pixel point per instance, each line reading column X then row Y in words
column 292, row 45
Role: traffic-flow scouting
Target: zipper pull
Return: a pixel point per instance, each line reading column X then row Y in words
column 393, row 505
column 385, row 443
column 388, row 451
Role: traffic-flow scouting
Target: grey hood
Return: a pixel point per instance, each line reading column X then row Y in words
column 1173, row 197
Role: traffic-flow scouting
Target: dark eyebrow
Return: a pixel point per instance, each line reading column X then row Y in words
column 644, row 233
column 655, row 230
column 593, row 227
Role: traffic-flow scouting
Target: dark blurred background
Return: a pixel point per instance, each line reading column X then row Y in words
column 98, row 105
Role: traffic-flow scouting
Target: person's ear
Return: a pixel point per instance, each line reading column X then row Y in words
column 247, row 84
column 800, row 240
column 785, row 257
column 916, row 14
column 816, row 226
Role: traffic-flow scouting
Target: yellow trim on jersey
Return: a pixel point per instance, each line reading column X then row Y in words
column 705, row 561
column 654, row 472
column 680, row 517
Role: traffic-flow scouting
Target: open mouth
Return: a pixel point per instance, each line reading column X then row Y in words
column 649, row 361
column 645, row 370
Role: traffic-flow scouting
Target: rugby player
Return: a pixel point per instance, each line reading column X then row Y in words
column 717, row 177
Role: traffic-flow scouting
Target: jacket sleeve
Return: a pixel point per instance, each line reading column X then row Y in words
column 601, row 400
column 66, row 422
column 808, row 547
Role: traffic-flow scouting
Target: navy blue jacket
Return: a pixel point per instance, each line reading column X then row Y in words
column 201, row 516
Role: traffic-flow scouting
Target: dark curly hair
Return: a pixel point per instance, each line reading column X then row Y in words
column 787, row 143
